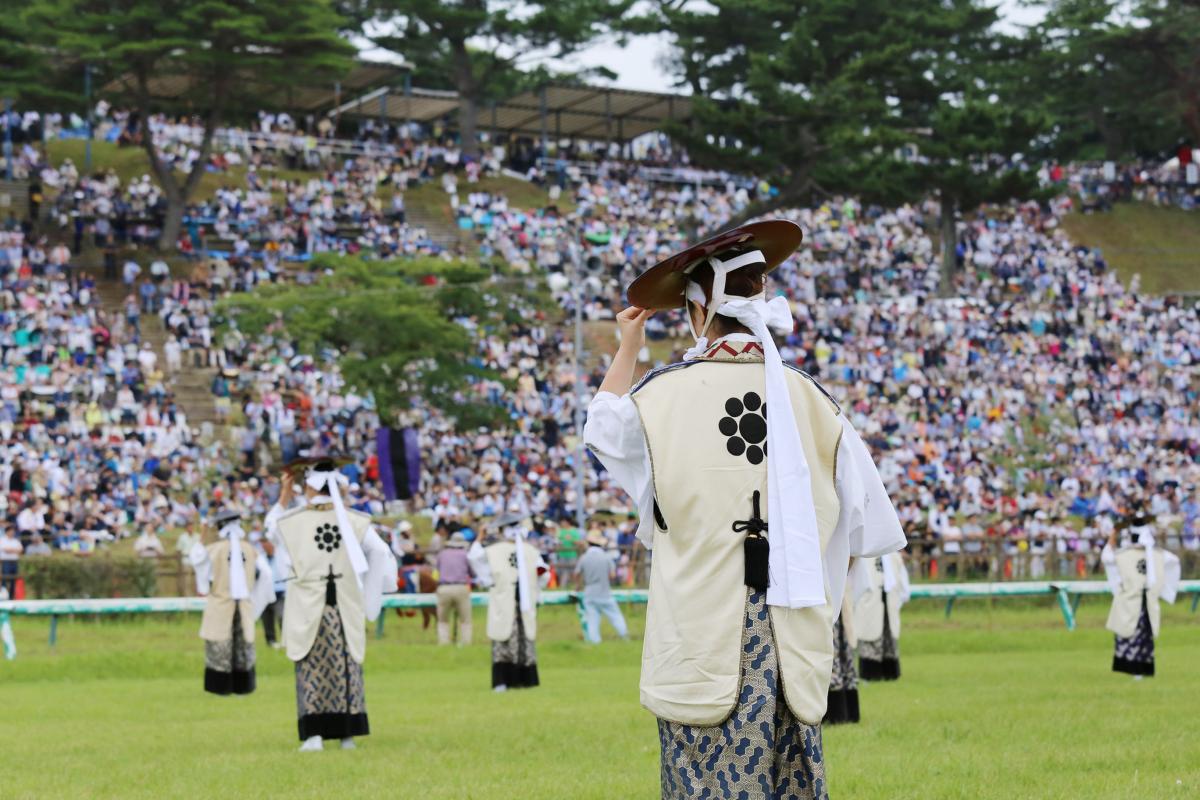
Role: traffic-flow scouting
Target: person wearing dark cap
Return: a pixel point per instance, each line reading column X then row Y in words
column 238, row 584
column 338, row 571
column 754, row 491
column 1139, row 574
column 511, row 567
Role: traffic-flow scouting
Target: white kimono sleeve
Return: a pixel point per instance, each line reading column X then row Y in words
column 1172, row 573
column 902, row 580
column 1112, row 574
column 381, row 573
column 613, row 432
column 264, row 586
column 877, row 530
column 477, row 561
column 867, row 525
column 283, row 561
column 202, row 565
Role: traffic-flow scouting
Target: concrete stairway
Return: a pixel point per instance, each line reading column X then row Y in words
column 191, row 385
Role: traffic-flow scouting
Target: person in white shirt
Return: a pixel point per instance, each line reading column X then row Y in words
column 148, row 545
column 10, row 556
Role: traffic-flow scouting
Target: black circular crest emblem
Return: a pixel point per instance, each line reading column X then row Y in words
column 328, row 537
column 745, row 427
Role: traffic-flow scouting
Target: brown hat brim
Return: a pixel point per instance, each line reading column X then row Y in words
column 661, row 287
column 304, row 463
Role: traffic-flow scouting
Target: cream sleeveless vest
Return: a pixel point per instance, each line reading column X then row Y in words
column 314, row 545
column 1127, row 603
column 706, row 430
column 502, row 597
column 868, row 610
column 217, row 620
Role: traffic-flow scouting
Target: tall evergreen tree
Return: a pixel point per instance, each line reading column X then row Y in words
column 224, row 56
column 483, row 46
column 888, row 100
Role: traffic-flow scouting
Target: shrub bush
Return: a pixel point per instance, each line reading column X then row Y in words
column 63, row 576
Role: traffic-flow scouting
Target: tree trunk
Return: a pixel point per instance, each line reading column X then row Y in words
column 468, row 115
column 172, row 223
column 177, row 194
column 468, row 108
column 946, row 286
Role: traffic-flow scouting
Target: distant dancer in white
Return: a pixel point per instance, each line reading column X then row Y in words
column 338, row 571
column 879, row 587
column 1139, row 575
column 512, row 568
column 237, row 581
column 754, row 491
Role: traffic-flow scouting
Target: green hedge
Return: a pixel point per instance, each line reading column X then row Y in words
column 63, row 576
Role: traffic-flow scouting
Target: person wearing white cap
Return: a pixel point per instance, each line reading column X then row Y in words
column 338, row 571
column 237, row 581
column 879, row 587
column 754, row 491
column 512, row 568
column 1139, row 574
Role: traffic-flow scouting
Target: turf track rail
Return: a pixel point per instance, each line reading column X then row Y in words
column 1068, row 594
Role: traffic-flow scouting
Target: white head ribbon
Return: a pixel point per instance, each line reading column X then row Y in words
column 328, row 481
column 518, row 533
column 1146, row 540
column 797, row 577
column 889, row 573
column 238, row 589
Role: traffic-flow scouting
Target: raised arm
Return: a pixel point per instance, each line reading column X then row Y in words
column 632, row 324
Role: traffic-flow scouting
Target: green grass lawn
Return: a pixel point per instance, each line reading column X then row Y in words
column 1160, row 244
column 997, row 702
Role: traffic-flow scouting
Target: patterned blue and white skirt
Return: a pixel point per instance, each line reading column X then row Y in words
column 1134, row 655
column 761, row 751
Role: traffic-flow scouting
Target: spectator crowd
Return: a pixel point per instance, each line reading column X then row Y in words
column 1029, row 412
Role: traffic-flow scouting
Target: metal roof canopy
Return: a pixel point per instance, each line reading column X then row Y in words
column 578, row 112
column 362, row 76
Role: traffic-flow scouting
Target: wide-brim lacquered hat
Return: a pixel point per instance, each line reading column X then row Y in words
column 327, row 463
column 661, row 287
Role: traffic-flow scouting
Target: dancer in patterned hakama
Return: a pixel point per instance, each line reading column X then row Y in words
column 338, row 571
column 512, row 568
column 238, row 583
column 754, row 492
column 881, row 587
column 843, row 685
column 1139, row 574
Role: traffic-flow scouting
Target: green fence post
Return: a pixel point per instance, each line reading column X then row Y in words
column 53, row 629
column 949, row 606
column 1064, row 603
column 379, row 623
column 1195, row 601
column 1075, row 602
column 10, row 645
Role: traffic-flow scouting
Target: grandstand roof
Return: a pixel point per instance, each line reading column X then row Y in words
column 363, row 76
column 581, row 112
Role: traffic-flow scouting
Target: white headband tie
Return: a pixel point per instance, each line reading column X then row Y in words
column 238, row 588
column 797, row 576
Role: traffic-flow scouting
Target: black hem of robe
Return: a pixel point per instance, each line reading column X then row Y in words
column 1133, row 667
column 225, row 683
column 333, row 726
column 842, row 707
column 514, row 676
column 887, row 669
